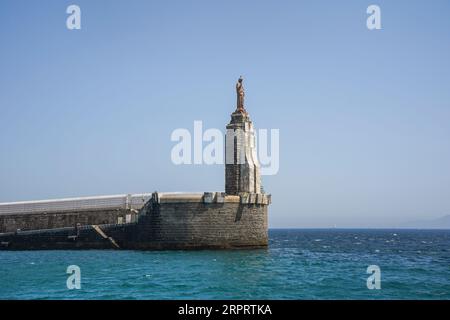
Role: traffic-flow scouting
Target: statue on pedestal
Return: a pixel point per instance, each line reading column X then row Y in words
column 240, row 95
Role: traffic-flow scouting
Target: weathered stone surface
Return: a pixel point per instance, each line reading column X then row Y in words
column 242, row 169
column 36, row 221
column 169, row 225
column 220, row 197
column 208, row 197
column 201, row 225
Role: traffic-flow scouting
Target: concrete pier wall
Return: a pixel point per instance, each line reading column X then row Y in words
column 210, row 220
column 44, row 220
column 167, row 221
column 60, row 213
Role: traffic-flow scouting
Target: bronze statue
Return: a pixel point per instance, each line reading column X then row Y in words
column 240, row 95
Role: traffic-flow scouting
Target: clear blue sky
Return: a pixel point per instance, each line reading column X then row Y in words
column 364, row 116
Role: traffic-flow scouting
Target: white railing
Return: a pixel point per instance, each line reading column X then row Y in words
column 123, row 201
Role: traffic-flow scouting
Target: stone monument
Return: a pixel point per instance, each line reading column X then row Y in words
column 242, row 170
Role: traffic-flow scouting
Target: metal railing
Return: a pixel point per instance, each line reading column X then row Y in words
column 123, row 201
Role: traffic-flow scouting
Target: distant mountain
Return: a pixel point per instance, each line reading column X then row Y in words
column 439, row 223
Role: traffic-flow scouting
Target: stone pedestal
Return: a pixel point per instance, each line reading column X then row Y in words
column 242, row 170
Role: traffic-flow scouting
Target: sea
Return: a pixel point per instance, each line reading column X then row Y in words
column 298, row 264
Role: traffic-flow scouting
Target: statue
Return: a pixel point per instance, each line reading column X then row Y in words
column 240, row 95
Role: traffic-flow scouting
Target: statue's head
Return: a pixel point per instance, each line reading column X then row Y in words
column 240, row 79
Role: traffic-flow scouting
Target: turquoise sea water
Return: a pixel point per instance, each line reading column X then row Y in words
column 299, row 264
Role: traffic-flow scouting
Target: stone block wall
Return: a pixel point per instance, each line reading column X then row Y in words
column 210, row 220
column 43, row 220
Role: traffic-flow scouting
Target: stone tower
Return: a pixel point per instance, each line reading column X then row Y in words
column 242, row 171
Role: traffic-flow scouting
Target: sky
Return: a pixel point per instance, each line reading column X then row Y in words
column 363, row 115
